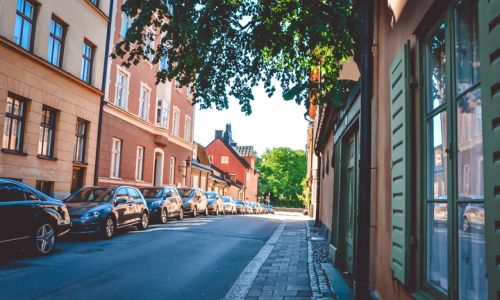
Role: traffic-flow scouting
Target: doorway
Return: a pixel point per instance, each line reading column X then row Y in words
column 77, row 178
column 158, row 169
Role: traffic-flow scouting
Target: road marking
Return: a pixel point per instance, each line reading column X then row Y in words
column 244, row 282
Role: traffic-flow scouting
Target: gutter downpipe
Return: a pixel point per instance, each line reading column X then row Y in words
column 103, row 87
column 362, row 258
column 317, row 222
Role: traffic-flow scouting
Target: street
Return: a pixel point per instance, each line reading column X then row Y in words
column 189, row 259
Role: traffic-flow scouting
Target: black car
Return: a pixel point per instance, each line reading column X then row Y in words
column 31, row 218
column 194, row 201
column 104, row 209
column 163, row 202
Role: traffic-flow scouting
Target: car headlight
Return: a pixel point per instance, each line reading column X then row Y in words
column 156, row 203
column 92, row 215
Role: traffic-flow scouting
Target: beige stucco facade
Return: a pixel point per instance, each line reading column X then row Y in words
column 28, row 74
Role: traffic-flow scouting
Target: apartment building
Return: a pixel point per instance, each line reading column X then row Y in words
column 52, row 58
column 147, row 128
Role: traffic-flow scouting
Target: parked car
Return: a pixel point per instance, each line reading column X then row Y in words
column 103, row 210
column 473, row 217
column 163, row 202
column 229, row 205
column 194, row 201
column 262, row 207
column 270, row 209
column 215, row 203
column 255, row 208
column 30, row 218
column 240, row 207
column 248, row 207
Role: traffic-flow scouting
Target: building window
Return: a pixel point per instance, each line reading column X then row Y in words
column 455, row 185
column 187, row 129
column 56, row 42
column 25, row 22
column 81, row 141
column 46, row 187
column 196, row 179
column 95, row 2
column 87, row 60
column 47, row 132
column 162, row 112
column 116, row 152
column 171, row 177
column 121, row 94
column 175, row 121
column 149, row 45
column 224, row 160
column 163, row 63
column 139, row 164
column 126, row 24
column 144, row 103
column 13, row 131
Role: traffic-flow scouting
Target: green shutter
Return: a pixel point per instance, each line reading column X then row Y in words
column 489, row 35
column 400, row 164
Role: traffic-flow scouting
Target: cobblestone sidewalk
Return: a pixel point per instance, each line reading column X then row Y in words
column 289, row 271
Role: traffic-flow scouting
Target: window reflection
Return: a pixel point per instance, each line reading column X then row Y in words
column 471, row 252
column 438, row 163
column 436, row 64
column 437, row 246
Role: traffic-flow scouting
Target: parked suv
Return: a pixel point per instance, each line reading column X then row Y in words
column 248, row 207
column 104, row 209
column 229, row 205
column 163, row 202
column 240, row 207
column 194, row 201
column 30, row 217
column 215, row 204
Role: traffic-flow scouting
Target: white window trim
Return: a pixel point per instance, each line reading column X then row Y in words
column 119, row 70
column 171, row 171
column 176, row 109
column 167, row 125
column 113, row 162
column 162, row 165
column 226, row 161
column 188, row 132
column 139, row 169
column 148, row 102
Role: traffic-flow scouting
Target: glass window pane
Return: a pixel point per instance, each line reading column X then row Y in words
column 28, row 9
column 6, row 132
column 436, row 63
column 26, row 35
column 471, row 252
column 437, row 245
column 18, row 29
column 438, row 179
column 470, row 146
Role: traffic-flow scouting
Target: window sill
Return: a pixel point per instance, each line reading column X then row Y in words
column 421, row 295
column 79, row 163
column 14, row 152
column 46, row 157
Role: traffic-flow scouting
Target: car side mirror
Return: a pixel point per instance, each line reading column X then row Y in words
column 121, row 200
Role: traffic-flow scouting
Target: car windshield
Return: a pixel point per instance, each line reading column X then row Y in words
column 226, row 199
column 186, row 193
column 91, row 194
column 152, row 192
column 211, row 195
column 239, row 202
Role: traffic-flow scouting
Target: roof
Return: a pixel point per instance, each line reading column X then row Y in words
column 245, row 150
column 234, row 152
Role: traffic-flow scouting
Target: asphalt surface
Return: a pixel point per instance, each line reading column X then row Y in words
column 191, row 259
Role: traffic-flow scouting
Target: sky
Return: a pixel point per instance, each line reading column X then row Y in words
column 274, row 122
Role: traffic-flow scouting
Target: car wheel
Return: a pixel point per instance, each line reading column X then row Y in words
column 466, row 224
column 163, row 216
column 180, row 216
column 143, row 224
column 206, row 211
column 195, row 212
column 108, row 228
column 44, row 239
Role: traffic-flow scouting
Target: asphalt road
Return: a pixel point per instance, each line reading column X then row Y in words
column 191, row 259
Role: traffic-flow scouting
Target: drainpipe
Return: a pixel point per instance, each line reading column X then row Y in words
column 362, row 250
column 318, row 189
column 103, row 87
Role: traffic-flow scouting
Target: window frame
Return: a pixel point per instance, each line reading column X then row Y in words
column 176, row 121
column 89, row 60
column 21, row 119
column 50, row 126
column 139, row 169
column 187, row 129
column 32, row 21
column 424, row 32
column 164, row 112
column 81, row 137
column 61, row 40
column 119, row 157
column 144, row 104
column 125, row 88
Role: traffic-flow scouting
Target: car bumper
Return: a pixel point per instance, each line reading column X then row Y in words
column 84, row 226
column 63, row 228
column 153, row 211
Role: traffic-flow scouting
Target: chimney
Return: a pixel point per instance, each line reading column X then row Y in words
column 218, row 134
column 228, row 136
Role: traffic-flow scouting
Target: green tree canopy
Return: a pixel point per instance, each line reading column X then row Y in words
column 223, row 48
column 282, row 171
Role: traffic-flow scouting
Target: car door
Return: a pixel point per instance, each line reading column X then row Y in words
column 122, row 209
column 136, row 204
column 169, row 201
column 17, row 209
column 177, row 199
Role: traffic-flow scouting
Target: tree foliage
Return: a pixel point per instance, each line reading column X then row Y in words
column 223, row 48
column 282, row 171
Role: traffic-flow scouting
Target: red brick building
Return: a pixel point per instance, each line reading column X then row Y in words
column 235, row 160
column 147, row 129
